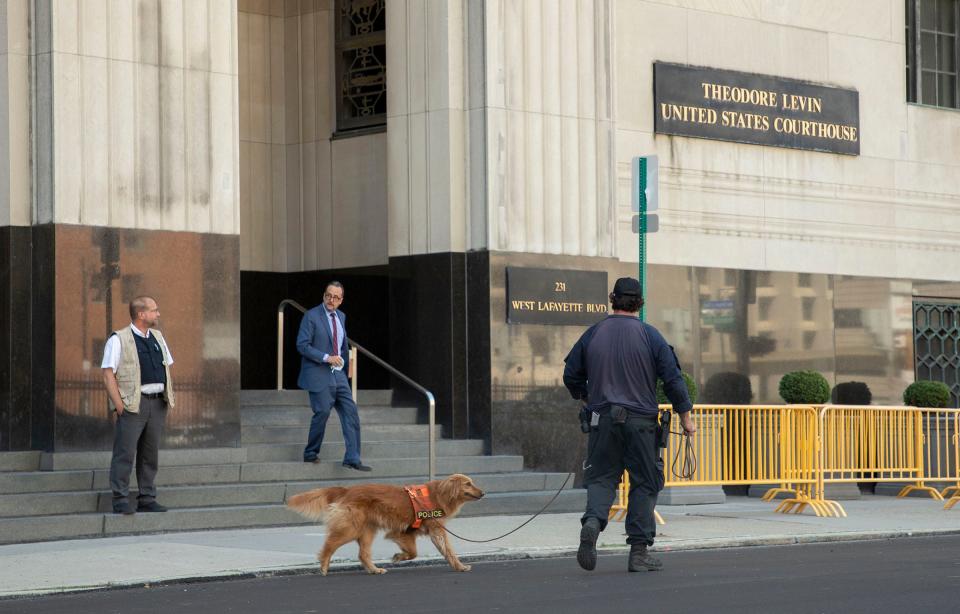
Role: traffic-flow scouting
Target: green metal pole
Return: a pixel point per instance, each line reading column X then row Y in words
column 643, row 238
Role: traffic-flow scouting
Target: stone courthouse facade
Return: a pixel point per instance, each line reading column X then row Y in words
column 445, row 158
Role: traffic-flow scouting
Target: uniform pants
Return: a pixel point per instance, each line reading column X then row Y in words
column 613, row 448
column 339, row 396
column 137, row 436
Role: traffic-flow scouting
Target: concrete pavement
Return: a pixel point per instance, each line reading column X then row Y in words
column 92, row 564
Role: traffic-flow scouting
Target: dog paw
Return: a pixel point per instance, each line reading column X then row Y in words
column 464, row 568
column 323, row 571
column 377, row 570
column 401, row 557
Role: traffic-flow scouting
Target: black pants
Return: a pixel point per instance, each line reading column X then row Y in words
column 613, row 448
column 137, row 436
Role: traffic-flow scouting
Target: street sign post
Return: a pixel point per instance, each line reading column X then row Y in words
column 645, row 197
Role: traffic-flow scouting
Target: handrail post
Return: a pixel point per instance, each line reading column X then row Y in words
column 280, row 348
column 430, row 445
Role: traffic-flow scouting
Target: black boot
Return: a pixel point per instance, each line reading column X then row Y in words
column 640, row 559
column 587, row 553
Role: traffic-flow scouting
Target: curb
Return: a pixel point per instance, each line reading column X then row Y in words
column 518, row 554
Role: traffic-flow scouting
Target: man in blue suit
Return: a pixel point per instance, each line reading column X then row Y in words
column 322, row 343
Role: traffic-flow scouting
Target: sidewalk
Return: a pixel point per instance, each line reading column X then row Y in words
column 53, row 567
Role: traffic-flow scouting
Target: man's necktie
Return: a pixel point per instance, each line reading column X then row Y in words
column 336, row 342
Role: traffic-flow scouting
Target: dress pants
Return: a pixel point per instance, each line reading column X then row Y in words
column 339, row 396
column 137, row 436
column 613, row 448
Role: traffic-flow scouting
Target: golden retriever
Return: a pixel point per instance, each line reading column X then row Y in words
column 356, row 513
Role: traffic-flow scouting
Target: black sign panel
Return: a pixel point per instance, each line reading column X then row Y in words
column 748, row 108
column 549, row 296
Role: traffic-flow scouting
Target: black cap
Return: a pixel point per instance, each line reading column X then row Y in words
column 626, row 286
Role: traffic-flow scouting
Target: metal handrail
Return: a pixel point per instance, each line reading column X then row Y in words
column 432, row 413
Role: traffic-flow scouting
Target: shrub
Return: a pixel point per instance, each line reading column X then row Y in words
column 851, row 393
column 728, row 387
column 691, row 389
column 927, row 394
column 804, row 387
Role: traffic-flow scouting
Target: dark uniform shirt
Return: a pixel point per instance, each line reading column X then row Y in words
column 618, row 360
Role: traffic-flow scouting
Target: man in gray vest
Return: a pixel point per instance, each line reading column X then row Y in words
column 136, row 372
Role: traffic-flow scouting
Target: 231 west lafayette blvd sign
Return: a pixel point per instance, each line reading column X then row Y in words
column 554, row 296
column 747, row 108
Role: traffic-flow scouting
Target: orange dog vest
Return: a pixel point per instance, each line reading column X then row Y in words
column 423, row 506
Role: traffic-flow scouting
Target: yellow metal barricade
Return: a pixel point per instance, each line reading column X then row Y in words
column 879, row 444
column 802, row 449
column 746, row 444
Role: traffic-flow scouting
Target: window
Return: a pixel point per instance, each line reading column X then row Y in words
column 804, row 280
column 730, row 277
column 933, row 55
column 848, row 318
column 763, row 308
column 361, row 47
column 807, row 305
column 809, row 337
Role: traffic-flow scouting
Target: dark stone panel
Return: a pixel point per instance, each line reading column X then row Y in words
column 431, row 302
column 194, row 279
column 43, row 338
column 365, row 291
column 478, row 345
column 20, row 323
column 6, row 256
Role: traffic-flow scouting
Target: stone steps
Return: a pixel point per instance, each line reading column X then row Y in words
column 297, row 434
column 301, row 416
column 69, row 526
column 249, row 398
column 219, row 495
column 65, row 495
column 370, row 450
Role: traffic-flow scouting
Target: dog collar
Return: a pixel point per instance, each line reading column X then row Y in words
column 423, row 507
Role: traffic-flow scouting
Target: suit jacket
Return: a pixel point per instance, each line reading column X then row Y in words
column 313, row 341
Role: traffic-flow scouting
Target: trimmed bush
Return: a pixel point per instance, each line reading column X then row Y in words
column 927, row 394
column 851, row 393
column 804, row 387
column 729, row 388
column 691, row 389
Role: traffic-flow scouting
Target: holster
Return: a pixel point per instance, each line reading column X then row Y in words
column 618, row 414
column 584, row 420
column 663, row 429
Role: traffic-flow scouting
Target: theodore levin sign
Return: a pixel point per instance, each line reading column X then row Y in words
column 549, row 296
column 748, row 108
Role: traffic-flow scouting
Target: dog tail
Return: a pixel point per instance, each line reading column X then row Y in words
column 314, row 504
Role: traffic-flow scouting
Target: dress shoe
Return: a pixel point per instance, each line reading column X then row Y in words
column 153, row 506
column 640, row 559
column 315, row 461
column 123, row 508
column 358, row 466
column 587, row 553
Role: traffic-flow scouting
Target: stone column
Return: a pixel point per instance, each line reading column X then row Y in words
column 127, row 186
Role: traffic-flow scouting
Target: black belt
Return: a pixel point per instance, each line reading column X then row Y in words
column 151, row 395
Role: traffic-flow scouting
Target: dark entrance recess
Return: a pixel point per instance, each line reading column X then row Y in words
column 365, row 303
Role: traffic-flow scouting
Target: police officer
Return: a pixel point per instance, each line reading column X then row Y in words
column 613, row 369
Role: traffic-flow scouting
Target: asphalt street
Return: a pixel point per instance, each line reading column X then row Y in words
column 849, row 577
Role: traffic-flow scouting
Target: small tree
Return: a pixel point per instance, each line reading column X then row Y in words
column 851, row 393
column 804, row 387
column 691, row 389
column 927, row 394
column 728, row 387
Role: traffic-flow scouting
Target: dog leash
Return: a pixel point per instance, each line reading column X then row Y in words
column 526, row 522
column 688, row 467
